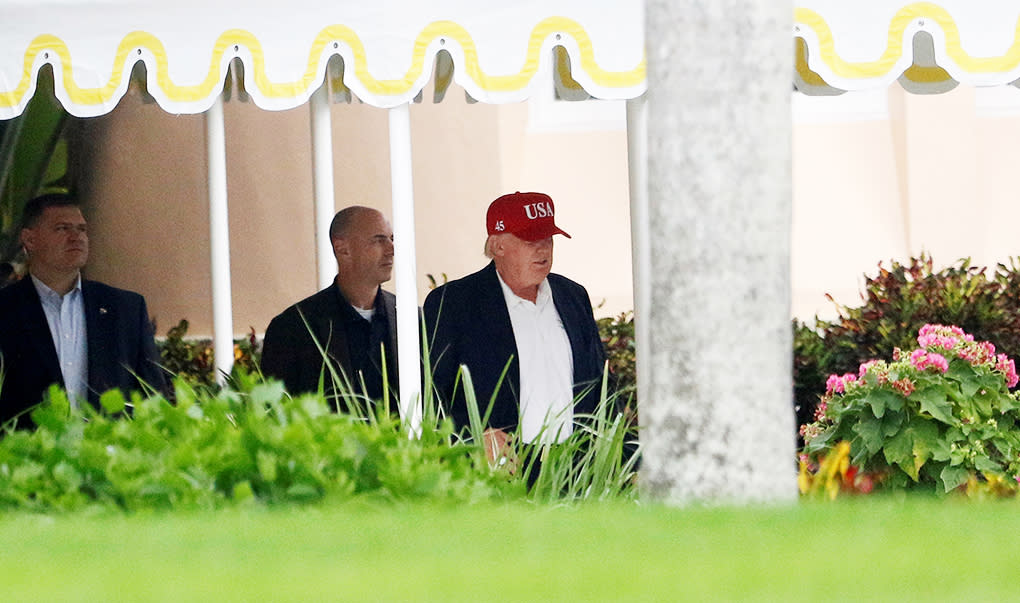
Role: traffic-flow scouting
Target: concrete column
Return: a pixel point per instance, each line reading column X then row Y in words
column 718, row 421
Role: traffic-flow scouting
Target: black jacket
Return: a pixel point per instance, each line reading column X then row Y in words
column 120, row 345
column 467, row 322
column 290, row 354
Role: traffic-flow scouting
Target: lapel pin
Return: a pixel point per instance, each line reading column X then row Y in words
column 102, row 310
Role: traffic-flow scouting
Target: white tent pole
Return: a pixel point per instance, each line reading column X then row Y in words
column 404, row 263
column 322, row 174
column 640, row 237
column 219, row 240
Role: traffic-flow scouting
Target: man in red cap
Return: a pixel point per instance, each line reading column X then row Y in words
column 527, row 336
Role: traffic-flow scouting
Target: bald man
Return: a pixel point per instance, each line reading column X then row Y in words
column 353, row 320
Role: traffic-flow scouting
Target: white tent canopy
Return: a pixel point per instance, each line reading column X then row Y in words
column 929, row 47
column 494, row 50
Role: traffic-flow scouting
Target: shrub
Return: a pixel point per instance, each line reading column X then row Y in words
column 896, row 303
column 192, row 359
column 935, row 417
column 246, row 442
column 251, row 442
column 618, row 339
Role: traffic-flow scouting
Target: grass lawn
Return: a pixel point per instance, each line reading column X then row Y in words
column 875, row 548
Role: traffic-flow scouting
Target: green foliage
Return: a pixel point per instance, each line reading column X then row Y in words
column 896, row 303
column 249, row 442
column 934, row 419
column 597, row 461
column 192, row 360
column 617, row 334
column 234, row 446
column 33, row 160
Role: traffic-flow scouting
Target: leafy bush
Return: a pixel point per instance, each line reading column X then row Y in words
column 618, row 338
column 192, row 360
column 231, row 446
column 934, row 418
column 896, row 303
column 251, row 442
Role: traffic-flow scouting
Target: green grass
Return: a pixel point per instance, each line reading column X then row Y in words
column 876, row 548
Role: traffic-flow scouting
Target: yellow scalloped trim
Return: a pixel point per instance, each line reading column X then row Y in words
column 914, row 73
column 336, row 33
column 894, row 49
column 801, row 64
column 926, row 75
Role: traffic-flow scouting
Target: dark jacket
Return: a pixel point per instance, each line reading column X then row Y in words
column 290, row 354
column 467, row 322
column 118, row 332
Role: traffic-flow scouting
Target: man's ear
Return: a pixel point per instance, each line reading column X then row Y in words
column 27, row 238
column 340, row 247
column 496, row 246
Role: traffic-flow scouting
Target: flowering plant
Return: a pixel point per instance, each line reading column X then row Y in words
column 936, row 416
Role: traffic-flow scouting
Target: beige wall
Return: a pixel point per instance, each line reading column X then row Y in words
column 147, row 197
column 933, row 173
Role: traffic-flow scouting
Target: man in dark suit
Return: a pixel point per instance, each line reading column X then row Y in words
column 523, row 333
column 56, row 327
column 346, row 323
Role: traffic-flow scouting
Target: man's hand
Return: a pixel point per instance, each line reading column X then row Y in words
column 498, row 450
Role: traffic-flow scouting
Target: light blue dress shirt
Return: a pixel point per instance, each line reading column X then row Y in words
column 65, row 315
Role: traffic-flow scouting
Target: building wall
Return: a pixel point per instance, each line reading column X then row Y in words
column 888, row 175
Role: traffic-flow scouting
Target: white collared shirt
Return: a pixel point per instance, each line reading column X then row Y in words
column 65, row 315
column 546, row 365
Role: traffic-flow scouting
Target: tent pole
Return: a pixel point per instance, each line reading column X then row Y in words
column 404, row 263
column 219, row 240
column 640, row 237
column 322, row 175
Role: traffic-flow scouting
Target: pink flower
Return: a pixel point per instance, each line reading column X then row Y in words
column 865, row 366
column 820, row 410
column 836, row 384
column 922, row 360
column 1006, row 366
column 938, row 336
column 938, row 361
column 917, row 358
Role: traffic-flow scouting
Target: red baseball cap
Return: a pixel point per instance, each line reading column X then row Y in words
column 528, row 216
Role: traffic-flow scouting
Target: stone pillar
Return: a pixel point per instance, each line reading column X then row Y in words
column 718, row 421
